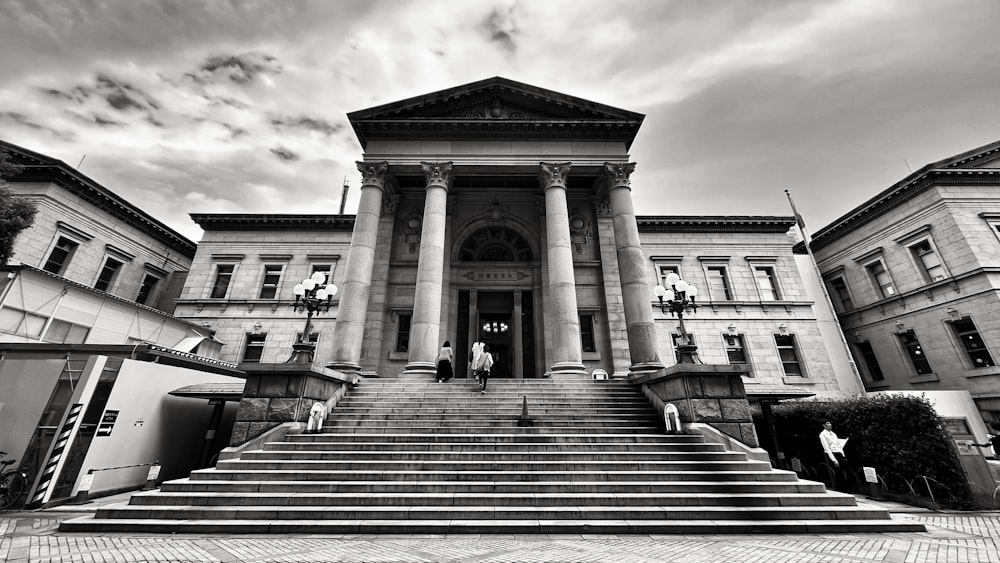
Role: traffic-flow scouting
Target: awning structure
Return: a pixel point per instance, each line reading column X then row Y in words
column 770, row 393
column 188, row 344
column 224, row 391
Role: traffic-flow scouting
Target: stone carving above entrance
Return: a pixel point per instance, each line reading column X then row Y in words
column 411, row 225
column 496, row 212
column 579, row 230
column 496, row 109
column 495, row 244
column 498, row 276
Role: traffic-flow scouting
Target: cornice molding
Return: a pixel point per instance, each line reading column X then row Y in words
column 714, row 224
column 267, row 221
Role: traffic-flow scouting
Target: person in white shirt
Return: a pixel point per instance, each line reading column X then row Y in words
column 476, row 357
column 834, row 450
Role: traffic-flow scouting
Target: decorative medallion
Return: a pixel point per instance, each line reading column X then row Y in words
column 495, row 110
column 373, row 173
column 411, row 226
column 579, row 229
column 553, row 174
column 496, row 212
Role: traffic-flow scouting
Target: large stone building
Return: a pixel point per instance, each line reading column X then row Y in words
column 914, row 274
column 502, row 209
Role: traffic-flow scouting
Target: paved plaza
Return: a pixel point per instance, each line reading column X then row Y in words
column 951, row 538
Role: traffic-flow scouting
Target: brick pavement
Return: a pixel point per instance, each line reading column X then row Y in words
column 951, row 537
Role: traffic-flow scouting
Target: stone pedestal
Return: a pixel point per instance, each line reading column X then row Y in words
column 277, row 393
column 703, row 393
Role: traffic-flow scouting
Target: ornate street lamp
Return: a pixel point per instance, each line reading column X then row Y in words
column 311, row 296
column 677, row 300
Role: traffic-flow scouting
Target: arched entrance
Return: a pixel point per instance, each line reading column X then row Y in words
column 496, row 281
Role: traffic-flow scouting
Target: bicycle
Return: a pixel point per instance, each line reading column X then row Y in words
column 12, row 483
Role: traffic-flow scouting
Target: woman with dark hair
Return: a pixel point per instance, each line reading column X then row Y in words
column 446, row 357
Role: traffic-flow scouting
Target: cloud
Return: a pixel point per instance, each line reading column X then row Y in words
column 501, row 27
column 284, row 154
column 25, row 121
column 308, row 123
column 241, row 69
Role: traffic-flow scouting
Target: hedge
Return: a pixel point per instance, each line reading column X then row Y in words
column 900, row 436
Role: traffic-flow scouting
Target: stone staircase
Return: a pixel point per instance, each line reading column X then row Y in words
column 405, row 456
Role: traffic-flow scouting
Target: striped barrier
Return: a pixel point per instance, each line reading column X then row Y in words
column 62, row 440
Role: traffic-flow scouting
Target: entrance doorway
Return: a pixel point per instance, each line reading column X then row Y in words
column 496, row 330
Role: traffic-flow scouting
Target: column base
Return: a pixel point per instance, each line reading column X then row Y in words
column 349, row 368
column 645, row 368
column 569, row 368
column 419, row 369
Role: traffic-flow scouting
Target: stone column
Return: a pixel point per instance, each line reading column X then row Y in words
column 632, row 270
column 517, row 332
column 564, row 318
column 353, row 307
column 425, row 327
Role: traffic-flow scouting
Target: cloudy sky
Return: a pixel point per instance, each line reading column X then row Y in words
column 185, row 106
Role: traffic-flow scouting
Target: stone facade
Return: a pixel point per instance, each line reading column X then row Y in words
column 931, row 321
column 103, row 226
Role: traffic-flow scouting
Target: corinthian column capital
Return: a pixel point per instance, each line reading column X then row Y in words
column 553, row 174
column 373, row 173
column 616, row 174
column 437, row 173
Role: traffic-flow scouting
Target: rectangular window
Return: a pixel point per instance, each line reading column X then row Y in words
column 146, row 290
column 735, row 350
column 587, row 333
column 927, row 259
column 326, row 269
column 63, row 332
column 21, row 323
column 60, row 256
column 915, row 352
column 223, row 275
column 403, row 333
column 108, row 274
column 840, row 295
column 664, row 270
column 272, row 277
column 788, row 354
column 871, row 362
column 254, row 349
column 880, row 277
column 718, row 283
column 767, row 284
column 972, row 343
column 313, row 337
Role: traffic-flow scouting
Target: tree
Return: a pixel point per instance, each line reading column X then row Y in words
column 16, row 213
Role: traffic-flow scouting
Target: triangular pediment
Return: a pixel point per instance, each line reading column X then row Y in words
column 493, row 108
column 986, row 156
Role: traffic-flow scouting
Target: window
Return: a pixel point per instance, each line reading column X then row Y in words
column 108, row 274
column 840, row 295
column 587, row 333
column 871, row 362
column 146, row 290
column 313, row 337
column 60, row 256
column 767, row 284
column 930, row 265
column 788, row 354
column 663, row 270
column 272, row 277
column 676, row 338
column 254, row 348
column 718, row 283
column 64, row 332
column 735, row 350
column 972, row 343
column 21, row 323
column 915, row 352
column 880, row 277
column 223, row 275
column 403, row 332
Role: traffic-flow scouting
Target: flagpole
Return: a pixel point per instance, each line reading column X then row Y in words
column 807, row 241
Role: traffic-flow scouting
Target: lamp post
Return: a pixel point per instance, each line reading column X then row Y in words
column 677, row 300
column 311, row 296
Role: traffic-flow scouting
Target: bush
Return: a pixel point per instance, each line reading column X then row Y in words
column 900, row 436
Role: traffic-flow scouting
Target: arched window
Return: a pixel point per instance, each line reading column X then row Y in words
column 495, row 244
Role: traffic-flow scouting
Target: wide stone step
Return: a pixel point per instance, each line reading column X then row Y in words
column 497, row 428
column 582, row 447
column 490, row 487
column 420, row 512
column 505, row 410
column 517, row 435
column 523, row 475
column 538, row 499
column 492, row 465
column 505, row 455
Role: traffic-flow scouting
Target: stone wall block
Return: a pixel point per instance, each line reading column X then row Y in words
column 682, row 410
column 706, row 410
column 716, row 387
column 252, row 386
column 258, row 428
column 239, row 433
column 283, row 410
column 274, row 386
column 730, row 429
column 735, row 410
column 252, row 409
column 749, row 434
column 294, row 388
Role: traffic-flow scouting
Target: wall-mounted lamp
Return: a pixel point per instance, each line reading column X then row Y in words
column 783, row 329
column 732, row 329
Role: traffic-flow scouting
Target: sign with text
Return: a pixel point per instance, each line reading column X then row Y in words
column 107, row 423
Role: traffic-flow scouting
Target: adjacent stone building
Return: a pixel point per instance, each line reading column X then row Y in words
column 504, row 210
column 914, row 274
